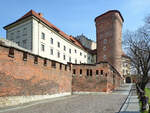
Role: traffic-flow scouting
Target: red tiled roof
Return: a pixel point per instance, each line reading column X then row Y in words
column 33, row 13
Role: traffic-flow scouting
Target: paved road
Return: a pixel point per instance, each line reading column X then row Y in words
column 98, row 103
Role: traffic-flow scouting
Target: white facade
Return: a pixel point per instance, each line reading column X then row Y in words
column 126, row 66
column 21, row 34
column 42, row 40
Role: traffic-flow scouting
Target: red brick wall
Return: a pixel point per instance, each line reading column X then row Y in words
column 19, row 77
column 109, row 27
column 94, row 83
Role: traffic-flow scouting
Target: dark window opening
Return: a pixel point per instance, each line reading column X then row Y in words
column 97, row 72
column 51, row 40
column 65, row 67
column 11, row 52
column 74, row 71
column 58, row 44
column 80, row 71
column 69, row 66
column 64, row 48
column 87, row 72
column 60, row 66
column 106, row 74
column 45, row 62
column 90, row 72
column 53, row 64
column 43, row 36
column 35, row 60
column 25, row 56
column 69, row 50
column 101, row 72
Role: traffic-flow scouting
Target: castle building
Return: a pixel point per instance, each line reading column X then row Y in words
column 33, row 32
column 41, row 69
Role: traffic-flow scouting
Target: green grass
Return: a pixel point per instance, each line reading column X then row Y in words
column 147, row 93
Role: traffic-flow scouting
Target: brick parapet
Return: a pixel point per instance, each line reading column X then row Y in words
column 25, row 77
column 105, row 82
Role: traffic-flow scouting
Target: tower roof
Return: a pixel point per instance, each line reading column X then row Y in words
column 111, row 11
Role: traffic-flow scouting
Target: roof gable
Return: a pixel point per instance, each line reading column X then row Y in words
column 33, row 13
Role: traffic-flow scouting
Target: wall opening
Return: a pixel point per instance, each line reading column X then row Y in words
column 128, row 79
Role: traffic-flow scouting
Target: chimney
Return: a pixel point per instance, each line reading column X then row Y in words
column 40, row 14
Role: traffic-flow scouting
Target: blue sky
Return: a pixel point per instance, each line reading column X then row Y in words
column 75, row 17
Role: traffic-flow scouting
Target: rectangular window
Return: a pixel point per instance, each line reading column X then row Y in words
column 18, row 34
column 64, row 48
column 75, row 51
column 70, row 67
column 76, row 61
column 69, row 50
column 25, row 56
column 11, row 52
column 101, row 72
column 12, row 36
column 64, row 57
column 80, row 54
column 51, row 40
column 74, row 71
column 58, row 44
column 105, row 41
column 84, row 56
column 45, row 62
column 51, row 51
column 24, row 42
column 65, row 67
column 90, row 72
column 97, row 72
column 80, row 71
column 69, row 59
column 123, row 72
column 53, row 64
column 87, row 72
column 24, row 31
column 18, row 43
column 42, row 47
column 58, row 54
column 60, row 66
column 35, row 60
column 43, row 36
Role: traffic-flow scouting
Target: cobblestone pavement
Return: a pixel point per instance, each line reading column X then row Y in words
column 91, row 103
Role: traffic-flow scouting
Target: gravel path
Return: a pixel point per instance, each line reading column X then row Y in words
column 103, row 103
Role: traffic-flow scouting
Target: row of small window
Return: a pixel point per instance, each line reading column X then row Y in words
column 24, row 32
column 58, row 54
column 53, row 63
column 43, row 49
column 89, row 72
column 58, row 44
column 125, row 72
column 24, row 43
column 125, row 64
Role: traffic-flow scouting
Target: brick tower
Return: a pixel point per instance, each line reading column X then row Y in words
column 109, row 38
